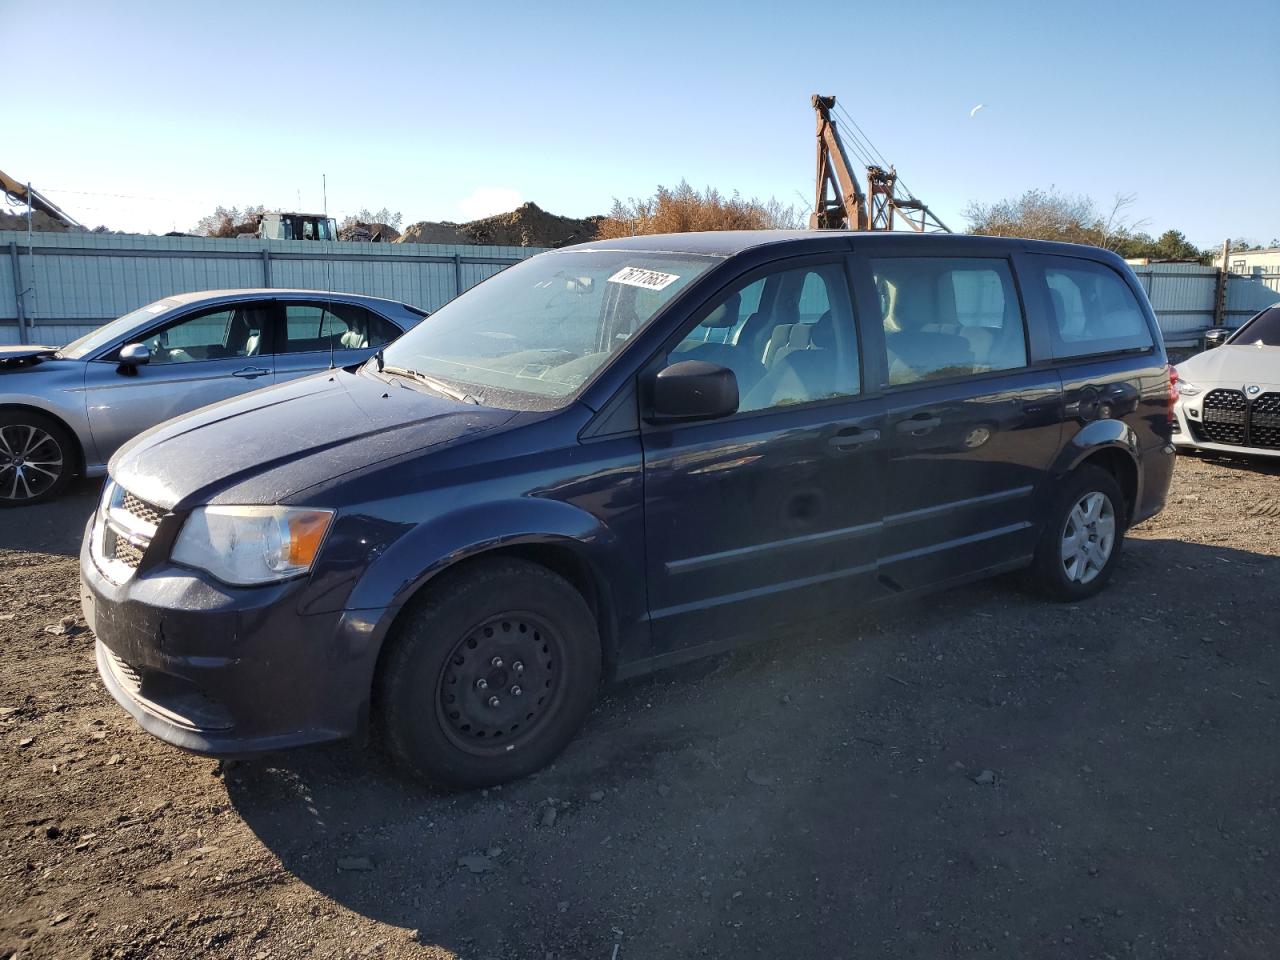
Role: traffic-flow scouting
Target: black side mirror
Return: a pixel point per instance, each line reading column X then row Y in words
column 1215, row 337
column 694, row 390
column 134, row 355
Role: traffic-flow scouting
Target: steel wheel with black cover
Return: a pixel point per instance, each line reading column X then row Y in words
column 490, row 673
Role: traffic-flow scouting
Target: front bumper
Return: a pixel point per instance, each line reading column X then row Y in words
column 223, row 670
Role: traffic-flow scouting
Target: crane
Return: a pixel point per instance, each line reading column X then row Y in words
column 841, row 203
column 20, row 193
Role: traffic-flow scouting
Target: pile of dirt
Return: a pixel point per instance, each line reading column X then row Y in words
column 526, row 226
column 40, row 222
column 361, row 232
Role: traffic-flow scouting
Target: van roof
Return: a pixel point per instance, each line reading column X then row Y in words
column 728, row 243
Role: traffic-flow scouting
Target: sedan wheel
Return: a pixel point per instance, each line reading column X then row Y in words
column 32, row 462
column 1088, row 537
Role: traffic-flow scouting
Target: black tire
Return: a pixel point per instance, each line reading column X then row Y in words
column 1049, row 574
column 542, row 637
column 32, row 445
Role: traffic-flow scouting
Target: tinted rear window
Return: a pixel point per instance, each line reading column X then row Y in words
column 1091, row 309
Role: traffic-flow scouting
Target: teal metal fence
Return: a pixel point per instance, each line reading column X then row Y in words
column 62, row 285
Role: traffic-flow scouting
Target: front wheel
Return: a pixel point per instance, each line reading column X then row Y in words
column 1082, row 537
column 36, row 458
column 490, row 674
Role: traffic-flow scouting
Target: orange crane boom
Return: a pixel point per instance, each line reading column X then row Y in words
column 841, row 204
column 33, row 197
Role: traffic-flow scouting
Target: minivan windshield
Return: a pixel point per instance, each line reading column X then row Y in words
column 532, row 335
column 110, row 333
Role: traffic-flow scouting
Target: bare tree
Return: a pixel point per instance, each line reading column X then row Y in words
column 1050, row 215
column 364, row 215
column 229, row 221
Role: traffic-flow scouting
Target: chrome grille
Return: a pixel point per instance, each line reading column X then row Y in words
column 121, row 549
column 1225, row 416
column 146, row 512
column 124, row 531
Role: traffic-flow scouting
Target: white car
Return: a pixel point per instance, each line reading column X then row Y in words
column 1229, row 396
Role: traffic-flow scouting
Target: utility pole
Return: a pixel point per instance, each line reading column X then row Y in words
column 1220, row 293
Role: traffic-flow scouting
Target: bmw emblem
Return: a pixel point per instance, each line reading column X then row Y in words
column 1252, row 389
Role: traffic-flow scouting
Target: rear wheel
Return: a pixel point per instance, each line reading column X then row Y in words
column 490, row 675
column 1082, row 537
column 37, row 456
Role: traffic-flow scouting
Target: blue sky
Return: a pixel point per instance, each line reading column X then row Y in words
column 447, row 111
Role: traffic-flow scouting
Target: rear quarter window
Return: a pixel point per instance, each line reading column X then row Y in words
column 1091, row 309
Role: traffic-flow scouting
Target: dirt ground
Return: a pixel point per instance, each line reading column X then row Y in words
column 983, row 775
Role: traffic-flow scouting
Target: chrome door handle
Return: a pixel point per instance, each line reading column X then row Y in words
column 249, row 373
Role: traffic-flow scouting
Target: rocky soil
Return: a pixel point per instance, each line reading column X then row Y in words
column 526, row 226
column 984, row 775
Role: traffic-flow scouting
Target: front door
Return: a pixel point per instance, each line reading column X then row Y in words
column 771, row 516
column 971, row 426
column 195, row 360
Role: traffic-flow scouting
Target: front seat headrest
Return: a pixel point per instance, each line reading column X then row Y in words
column 725, row 315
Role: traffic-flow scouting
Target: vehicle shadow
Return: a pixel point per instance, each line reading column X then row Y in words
column 1262, row 465
column 55, row 527
column 983, row 769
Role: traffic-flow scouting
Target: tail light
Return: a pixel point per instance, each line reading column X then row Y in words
column 1173, row 389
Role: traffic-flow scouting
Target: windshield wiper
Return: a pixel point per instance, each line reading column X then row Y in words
column 431, row 383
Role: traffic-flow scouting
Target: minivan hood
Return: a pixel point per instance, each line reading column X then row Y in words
column 262, row 447
column 1234, row 365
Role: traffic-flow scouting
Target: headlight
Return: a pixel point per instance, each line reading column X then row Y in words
column 1187, row 389
column 251, row 545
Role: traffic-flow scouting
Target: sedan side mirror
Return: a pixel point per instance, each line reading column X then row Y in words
column 694, row 390
column 1215, row 337
column 134, row 355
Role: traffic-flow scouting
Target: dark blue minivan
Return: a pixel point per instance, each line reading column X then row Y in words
column 615, row 457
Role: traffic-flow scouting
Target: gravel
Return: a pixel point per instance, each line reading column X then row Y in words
column 1134, row 812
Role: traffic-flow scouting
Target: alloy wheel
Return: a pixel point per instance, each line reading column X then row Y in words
column 31, row 461
column 1088, row 537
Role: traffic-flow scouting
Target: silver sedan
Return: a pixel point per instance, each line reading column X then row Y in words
column 65, row 411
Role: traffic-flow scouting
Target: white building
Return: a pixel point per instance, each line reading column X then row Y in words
column 1259, row 264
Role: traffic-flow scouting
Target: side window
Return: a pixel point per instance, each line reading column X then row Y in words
column 948, row 317
column 355, row 328
column 812, row 358
column 218, row 334
column 1092, row 309
column 814, row 301
column 724, row 323
column 302, row 322
column 312, row 327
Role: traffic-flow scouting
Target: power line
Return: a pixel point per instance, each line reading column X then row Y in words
column 873, row 150
column 96, row 193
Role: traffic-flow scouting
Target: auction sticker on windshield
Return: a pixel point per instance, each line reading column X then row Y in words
column 640, row 277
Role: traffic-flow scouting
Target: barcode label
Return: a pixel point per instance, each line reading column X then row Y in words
column 640, row 277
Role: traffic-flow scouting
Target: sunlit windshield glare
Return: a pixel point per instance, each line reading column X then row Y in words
column 546, row 325
column 109, row 333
